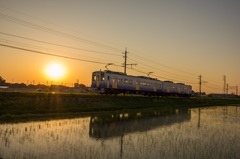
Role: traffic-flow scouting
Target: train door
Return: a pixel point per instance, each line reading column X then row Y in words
column 114, row 83
column 137, row 85
column 108, row 81
column 95, row 79
column 155, row 87
column 179, row 89
column 168, row 88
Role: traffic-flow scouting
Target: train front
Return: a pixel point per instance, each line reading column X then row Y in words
column 98, row 83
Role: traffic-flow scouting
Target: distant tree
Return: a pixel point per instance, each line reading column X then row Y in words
column 18, row 85
column 32, row 86
column 81, row 86
column 2, row 80
column 76, row 85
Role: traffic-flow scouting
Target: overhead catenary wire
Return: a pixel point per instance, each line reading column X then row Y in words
column 160, row 70
column 178, row 81
column 51, row 23
column 157, row 62
column 220, row 89
column 168, row 78
column 169, row 75
column 21, row 37
column 49, row 30
column 50, row 54
column 47, row 49
column 213, row 86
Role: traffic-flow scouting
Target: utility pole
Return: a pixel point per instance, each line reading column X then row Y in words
column 227, row 89
column 224, row 84
column 125, row 61
column 236, row 90
column 200, row 85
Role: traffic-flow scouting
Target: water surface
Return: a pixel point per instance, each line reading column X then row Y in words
column 212, row 132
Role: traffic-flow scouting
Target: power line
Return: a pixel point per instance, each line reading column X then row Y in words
column 162, row 77
column 212, row 87
column 50, row 22
column 163, row 65
column 58, row 44
column 171, row 74
column 49, row 30
column 37, row 47
column 183, row 78
column 45, row 53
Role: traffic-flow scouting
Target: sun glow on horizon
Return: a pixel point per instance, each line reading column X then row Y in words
column 55, row 71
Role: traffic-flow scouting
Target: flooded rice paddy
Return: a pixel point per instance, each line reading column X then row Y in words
column 211, row 132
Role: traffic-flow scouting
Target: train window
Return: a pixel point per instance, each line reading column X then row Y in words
column 108, row 77
column 126, row 81
column 148, row 84
column 144, row 83
column 130, row 81
column 94, row 77
column 113, row 80
column 119, row 80
column 137, row 82
column 102, row 76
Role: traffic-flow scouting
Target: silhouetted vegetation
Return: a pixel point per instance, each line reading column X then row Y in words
column 2, row 81
column 22, row 87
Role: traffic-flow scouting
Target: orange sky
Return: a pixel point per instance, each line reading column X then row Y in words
column 176, row 40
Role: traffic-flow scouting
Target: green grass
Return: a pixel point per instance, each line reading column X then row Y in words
column 29, row 104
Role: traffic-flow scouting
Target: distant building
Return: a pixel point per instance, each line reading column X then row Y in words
column 214, row 95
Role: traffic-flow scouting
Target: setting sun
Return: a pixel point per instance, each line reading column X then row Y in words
column 55, row 71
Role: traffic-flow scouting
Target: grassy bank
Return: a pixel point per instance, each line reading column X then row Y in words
column 34, row 104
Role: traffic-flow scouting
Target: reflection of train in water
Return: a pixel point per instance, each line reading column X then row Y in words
column 109, row 82
column 117, row 124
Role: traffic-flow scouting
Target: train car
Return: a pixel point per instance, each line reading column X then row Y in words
column 187, row 90
column 184, row 90
column 169, row 88
column 109, row 82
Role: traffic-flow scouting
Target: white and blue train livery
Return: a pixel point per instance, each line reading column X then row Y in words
column 109, row 82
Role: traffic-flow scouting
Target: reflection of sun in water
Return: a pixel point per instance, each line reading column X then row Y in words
column 55, row 71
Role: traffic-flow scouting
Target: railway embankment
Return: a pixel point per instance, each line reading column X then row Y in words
column 13, row 104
